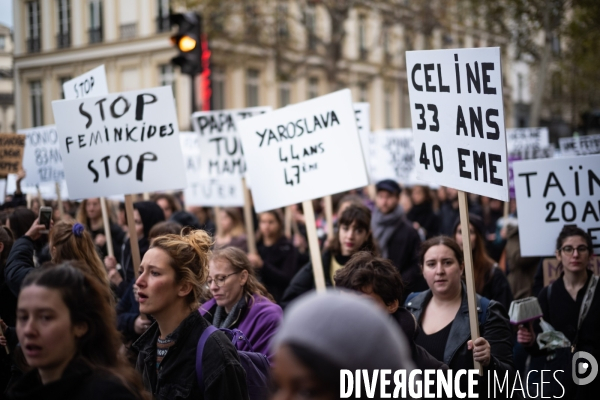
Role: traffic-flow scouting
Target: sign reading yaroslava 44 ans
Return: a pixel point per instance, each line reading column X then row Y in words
column 222, row 165
column 304, row 151
column 458, row 119
column 121, row 143
column 552, row 193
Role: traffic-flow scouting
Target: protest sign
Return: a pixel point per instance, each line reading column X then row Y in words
column 221, row 163
column 91, row 84
column 11, row 153
column 41, row 159
column 579, row 145
column 363, row 123
column 552, row 193
column 529, row 143
column 392, row 156
column 458, row 119
column 552, row 269
column 303, row 151
column 120, row 143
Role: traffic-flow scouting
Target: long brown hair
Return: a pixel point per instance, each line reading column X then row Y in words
column 72, row 242
column 86, row 299
column 360, row 215
column 278, row 215
column 240, row 262
column 189, row 253
column 238, row 222
column 483, row 264
column 82, row 217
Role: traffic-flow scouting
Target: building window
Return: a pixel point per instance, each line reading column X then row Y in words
column 363, row 92
column 252, row 82
column 388, row 108
column 33, row 27
column 387, row 53
column 284, row 94
column 313, row 88
column 362, row 36
column 37, row 111
column 163, row 24
column 311, row 27
column 61, row 82
column 95, row 30
column 63, row 37
column 166, row 76
column 2, row 42
column 218, row 88
column 282, row 21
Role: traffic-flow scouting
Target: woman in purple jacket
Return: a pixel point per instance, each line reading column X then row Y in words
column 240, row 301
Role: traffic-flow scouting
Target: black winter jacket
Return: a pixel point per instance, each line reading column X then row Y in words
column 280, row 265
column 224, row 377
column 79, row 382
column 19, row 263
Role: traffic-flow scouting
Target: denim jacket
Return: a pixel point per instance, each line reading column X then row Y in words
column 224, row 377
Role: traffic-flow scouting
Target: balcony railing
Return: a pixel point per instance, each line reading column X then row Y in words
column 95, row 35
column 33, row 45
column 163, row 24
column 128, row 31
column 63, row 40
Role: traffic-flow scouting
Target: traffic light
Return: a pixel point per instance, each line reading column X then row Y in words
column 187, row 41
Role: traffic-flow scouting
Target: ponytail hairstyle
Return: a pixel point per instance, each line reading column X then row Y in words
column 189, row 253
column 86, row 299
column 240, row 262
column 70, row 241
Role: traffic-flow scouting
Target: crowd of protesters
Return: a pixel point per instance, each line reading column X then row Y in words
column 80, row 323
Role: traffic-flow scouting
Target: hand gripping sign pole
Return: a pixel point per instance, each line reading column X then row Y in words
column 468, row 255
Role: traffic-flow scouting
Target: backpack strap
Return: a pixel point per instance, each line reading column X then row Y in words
column 484, row 303
column 199, row 351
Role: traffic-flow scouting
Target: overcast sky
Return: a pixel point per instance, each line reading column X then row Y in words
column 6, row 15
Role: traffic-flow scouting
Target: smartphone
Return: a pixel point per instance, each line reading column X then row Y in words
column 45, row 217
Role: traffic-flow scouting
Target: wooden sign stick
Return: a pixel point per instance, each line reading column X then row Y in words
column 217, row 211
column 288, row 222
column 29, row 199
column 249, row 221
column 468, row 254
column 59, row 201
column 313, row 245
column 506, row 209
column 133, row 239
column 106, row 222
column 39, row 194
column 329, row 216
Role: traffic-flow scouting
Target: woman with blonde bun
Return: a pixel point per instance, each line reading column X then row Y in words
column 171, row 277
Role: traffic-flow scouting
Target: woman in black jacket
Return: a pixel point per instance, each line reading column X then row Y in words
column 68, row 338
column 172, row 276
column 421, row 213
column 354, row 235
column 277, row 258
column 443, row 316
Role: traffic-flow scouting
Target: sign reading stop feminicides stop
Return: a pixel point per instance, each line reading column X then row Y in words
column 458, row 125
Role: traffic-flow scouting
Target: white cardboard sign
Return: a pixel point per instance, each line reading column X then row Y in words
column 41, row 159
column 527, row 143
column 458, row 119
column 393, row 156
column 91, row 84
column 303, row 151
column 552, row 193
column 363, row 123
column 579, row 145
column 202, row 191
column 121, row 143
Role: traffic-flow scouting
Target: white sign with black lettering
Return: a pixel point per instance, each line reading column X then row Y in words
column 122, row 143
column 393, row 156
column 552, row 193
column 303, row 151
column 41, row 159
column 528, row 143
column 579, row 145
column 458, row 119
column 201, row 191
column 92, row 83
column 363, row 123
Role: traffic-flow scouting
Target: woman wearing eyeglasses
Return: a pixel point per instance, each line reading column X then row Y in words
column 571, row 304
column 240, row 301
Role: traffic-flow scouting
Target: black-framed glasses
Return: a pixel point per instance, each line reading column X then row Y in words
column 580, row 249
column 220, row 280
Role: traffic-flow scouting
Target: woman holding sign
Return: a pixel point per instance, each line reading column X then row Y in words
column 354, row 235
column 571, row 304
column 442, row 314
column 172, row 274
